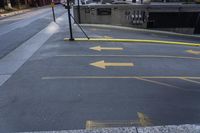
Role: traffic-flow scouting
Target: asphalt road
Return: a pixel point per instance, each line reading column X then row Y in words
column 142, row 84
column 17, row 29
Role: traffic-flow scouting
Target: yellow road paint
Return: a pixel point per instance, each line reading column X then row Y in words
column 94, row 29
column 118, row 77
column 52, row 4
column 135, row 40
column 189, row 80
column 143, row 119
column 99, row 48
column 93, row 124
column 193, row 52
column 107, row 37
column 137, row 56
column 103, row 64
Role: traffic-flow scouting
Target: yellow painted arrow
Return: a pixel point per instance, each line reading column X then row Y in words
column 143, row 119
column 102, row 64
column 193, row 52
column 99, row 48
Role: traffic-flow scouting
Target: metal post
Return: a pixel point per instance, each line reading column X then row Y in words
column 70, row 23
column 197, row 25
column 52, row 6
column 80, row 28
column 79, row 16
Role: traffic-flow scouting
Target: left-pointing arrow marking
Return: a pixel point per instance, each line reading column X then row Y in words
column 193, row 52
column 99, row 48
column 102, row 64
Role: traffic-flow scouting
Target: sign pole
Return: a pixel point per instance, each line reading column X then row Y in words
column 53, row 12
column 70, row 23
column 79, row 16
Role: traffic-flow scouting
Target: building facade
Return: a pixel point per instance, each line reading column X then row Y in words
column 8, row 4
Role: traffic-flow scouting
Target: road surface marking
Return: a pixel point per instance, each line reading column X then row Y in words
column 92, row 124
column 117, row 77
column 143, row 120
column 12, row 19
column 99, row 48
column 159, row 83
column 107, row 37
column 193, row 52
column 189, row 80
column 137, row 56
column 135, row 40
column 103, row 64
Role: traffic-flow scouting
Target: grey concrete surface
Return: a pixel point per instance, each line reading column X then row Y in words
column 20, row 55
column 15, row 31
column 105, row 130
column 154, row 129
column 4, row 78
column 57, row 89
column 139, row 15
column 170, row 129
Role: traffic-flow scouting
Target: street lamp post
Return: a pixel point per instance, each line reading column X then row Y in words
column 79, row 19
column 70, row 23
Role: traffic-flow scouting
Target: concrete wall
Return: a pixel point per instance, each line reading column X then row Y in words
column 174, row 17
column 114, row 15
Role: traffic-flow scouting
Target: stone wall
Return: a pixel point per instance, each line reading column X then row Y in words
column 179, row 17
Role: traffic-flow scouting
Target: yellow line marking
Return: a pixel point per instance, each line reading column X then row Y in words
column 193, row 52
column 118, row 77
column 138, row 56
column 143, row 119
column 136, row 40
column 94, row 29
column 103, row 64
column 159, row 83
column 99, row 48
column 107, row 37
column 189, row 80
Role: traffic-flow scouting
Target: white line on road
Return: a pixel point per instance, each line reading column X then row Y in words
column 14, row 60
column 22, row 23
column 189, row 80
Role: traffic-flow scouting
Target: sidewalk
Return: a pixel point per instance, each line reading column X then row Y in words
column 187, row 128
column 13, row 13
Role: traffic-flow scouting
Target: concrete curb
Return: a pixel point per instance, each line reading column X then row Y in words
column 13, row 13
column 10, row 14
column 170, row 129
column 187, row 128
column 137, row 29
column 135, row 41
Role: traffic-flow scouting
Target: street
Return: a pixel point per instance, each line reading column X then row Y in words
column 51, row 84
column 30, row 23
